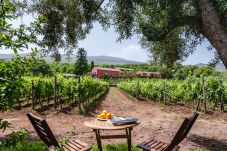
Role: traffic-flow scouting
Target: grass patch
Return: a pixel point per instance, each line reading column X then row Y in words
column 115, row 147
column 23, row 146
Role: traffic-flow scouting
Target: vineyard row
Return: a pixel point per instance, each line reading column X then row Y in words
column 204, row 91
column 41, row 91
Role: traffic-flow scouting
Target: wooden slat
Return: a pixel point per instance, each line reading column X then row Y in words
column 153, row 145
column 76, row 145
column 159, row 146
column 82, row 143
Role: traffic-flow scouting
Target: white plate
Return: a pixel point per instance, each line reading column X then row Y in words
column 101, row 119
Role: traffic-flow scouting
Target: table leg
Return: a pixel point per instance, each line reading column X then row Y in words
column 99, row 143
column 129, row 138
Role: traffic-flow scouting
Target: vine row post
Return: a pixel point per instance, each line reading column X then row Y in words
column 164, row 92
column 79, row 95
column 222, row 96
column 55, row 92
column 33, row 95
column 204, row 95
column 138, row 89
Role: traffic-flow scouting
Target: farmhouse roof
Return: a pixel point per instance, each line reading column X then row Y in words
column 148, row 72
column 127, row 69
column 107, row 69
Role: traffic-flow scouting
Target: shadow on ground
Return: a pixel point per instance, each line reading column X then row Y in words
column 209, row 143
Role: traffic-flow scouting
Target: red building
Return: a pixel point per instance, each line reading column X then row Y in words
column 148, row 74
column 99, row 72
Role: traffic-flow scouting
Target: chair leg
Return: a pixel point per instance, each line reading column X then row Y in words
column 176, row 148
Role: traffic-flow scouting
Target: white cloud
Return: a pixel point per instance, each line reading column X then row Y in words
column 130, row 52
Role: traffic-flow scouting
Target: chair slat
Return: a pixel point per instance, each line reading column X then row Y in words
column 155, row 144
column 179, row 136
column 160, row 145
column 46, row 135
column 73, row 146
column 82, row 143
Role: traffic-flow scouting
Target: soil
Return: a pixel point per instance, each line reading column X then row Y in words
column 157, row 121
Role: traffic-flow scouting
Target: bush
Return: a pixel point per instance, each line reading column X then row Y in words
column 166, row 73
column 18, row 141
column 24, row 145
column 206, row 71
column 20, row 135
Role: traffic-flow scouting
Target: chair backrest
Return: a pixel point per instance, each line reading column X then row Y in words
column 182, row 131
column 43, row 130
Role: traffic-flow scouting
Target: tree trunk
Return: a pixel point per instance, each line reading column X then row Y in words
column 213, row 29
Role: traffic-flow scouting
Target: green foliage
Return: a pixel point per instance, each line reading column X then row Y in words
column 10, row 38
column 11, row 85
column 105, row 76
column 172, row 45
column 20, row 135
column 222, row 4
column 115, row 147
column 166, row 73
column 176, row 90
column 67, row 88
column 81, row 65
column 18, row 141
column 4, row 125
column 16, row 38
column 92, row 65
column 183, row 72
column 25, row 145
column 206, row 71
column 41, row 67
column 67, row 22
column 63, row 68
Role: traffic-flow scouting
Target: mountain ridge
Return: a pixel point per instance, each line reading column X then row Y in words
column 102, row 59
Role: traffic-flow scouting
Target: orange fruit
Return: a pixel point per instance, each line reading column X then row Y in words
column 108, row 116
column 103, row 115
column 99, row 116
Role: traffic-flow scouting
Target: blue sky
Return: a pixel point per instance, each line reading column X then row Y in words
column 99, row 42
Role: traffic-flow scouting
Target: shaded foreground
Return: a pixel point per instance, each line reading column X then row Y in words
column 157, row 121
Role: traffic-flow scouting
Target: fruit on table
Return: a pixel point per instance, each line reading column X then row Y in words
column 104, row 115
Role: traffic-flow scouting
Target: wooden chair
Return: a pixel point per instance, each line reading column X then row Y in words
column 48, row 138
column 154, row 145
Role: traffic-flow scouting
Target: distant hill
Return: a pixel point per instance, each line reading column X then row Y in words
column 97, row 59
column 220, row 67
column 111, row 60
column 201, row 65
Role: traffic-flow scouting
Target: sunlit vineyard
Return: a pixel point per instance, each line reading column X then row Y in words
column 57, row 91
column 192, row 90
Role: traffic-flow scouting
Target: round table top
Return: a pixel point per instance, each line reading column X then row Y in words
column 105, row 125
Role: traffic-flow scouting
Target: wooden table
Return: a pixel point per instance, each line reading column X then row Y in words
column 98, row 125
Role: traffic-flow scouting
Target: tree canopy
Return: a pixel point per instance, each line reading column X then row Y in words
column 190, row 21
column 81, row 65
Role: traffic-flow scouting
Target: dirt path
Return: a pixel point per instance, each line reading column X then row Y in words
column 157, row 122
